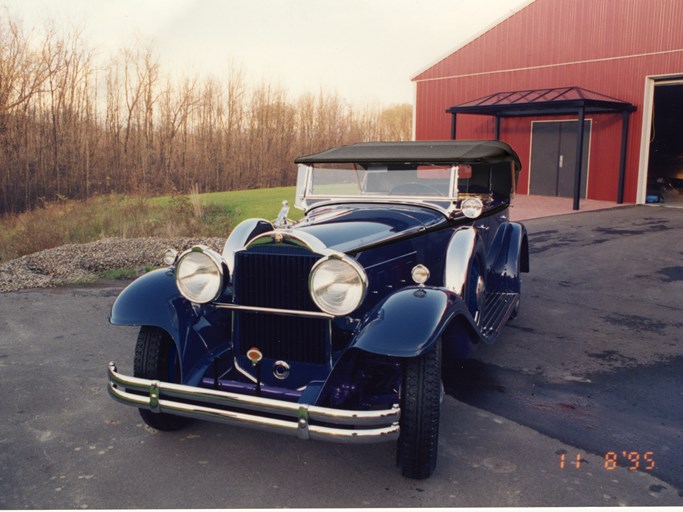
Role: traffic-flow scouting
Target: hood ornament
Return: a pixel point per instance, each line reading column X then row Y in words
column 282, row 221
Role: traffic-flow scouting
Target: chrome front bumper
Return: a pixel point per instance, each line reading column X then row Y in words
column 301, row 420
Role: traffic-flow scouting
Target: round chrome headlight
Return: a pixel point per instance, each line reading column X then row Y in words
column 170, row 256
column 472, row 207
column 199, row 275
column 337, row 285
column 420, row 274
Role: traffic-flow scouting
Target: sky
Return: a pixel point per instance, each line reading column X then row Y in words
column 366, row 51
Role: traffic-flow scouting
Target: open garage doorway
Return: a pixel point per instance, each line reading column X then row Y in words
column 665, row 163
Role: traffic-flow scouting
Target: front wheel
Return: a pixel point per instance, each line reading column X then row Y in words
column 420, row 410
column 156, row 358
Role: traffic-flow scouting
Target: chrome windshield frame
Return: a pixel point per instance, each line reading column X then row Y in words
column 307, row 200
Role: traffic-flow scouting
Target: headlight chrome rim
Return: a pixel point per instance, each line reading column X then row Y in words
column 420, row 274
column 472, row 207
column 170, row 257
column 339, row 263
column 199, row 274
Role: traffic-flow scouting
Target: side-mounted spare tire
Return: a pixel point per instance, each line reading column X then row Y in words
column 156, row 358
column 420, row 411
column 475, row 290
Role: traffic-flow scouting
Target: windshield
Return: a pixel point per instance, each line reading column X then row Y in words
column 423, row 181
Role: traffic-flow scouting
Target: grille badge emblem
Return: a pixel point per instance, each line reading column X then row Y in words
column 277, row 238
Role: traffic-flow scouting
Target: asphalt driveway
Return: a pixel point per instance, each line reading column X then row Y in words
column 578, row 403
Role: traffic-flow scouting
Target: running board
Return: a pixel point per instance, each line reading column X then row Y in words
column 497, row 309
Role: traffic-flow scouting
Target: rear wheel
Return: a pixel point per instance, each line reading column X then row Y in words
column 420, row 410
column 157, row 358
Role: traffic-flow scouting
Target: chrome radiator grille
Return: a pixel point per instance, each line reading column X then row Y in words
column 277, row 277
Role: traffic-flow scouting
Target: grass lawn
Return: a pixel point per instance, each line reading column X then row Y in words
column 65, row 222
column 245, row 204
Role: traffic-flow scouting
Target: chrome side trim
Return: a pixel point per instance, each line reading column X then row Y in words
column 292, row 418
column 239, row 237
column 458, row 256
column 286, row 312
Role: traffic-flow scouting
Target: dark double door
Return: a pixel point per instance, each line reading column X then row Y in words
column 553, row 158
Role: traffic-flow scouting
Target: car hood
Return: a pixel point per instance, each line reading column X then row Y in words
column 352, row 227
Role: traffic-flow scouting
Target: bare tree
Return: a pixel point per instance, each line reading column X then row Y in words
column 144, row 131
column 23, row 74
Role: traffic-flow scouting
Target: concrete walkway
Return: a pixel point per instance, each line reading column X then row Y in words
column 533, row 207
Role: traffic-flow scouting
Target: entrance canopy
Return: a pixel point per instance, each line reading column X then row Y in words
column 551, row 102
column 542, row 102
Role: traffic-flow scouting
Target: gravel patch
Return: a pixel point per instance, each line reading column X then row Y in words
column 80, row 263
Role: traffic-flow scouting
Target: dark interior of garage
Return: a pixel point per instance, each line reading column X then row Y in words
column 665, row 166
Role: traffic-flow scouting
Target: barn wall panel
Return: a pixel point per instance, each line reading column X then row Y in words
column 607, row 46
column 555, row 32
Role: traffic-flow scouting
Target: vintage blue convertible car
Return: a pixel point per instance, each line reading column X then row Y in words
column 335, row 327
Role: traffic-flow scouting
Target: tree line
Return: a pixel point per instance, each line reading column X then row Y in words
column 72, row 129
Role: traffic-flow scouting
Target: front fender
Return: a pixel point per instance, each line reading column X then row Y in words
column 153, row 300
column 411, row 321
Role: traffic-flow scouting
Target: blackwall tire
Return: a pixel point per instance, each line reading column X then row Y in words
column 420, row 411
column 155, row 358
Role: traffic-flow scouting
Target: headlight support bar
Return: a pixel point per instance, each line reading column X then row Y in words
column 275, row 311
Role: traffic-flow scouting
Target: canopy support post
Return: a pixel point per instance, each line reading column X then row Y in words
column 622, row 161
column 579, row 159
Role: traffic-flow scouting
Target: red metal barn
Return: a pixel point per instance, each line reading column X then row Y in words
column 616, row 64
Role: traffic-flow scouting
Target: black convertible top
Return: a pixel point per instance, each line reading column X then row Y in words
column 440, row 151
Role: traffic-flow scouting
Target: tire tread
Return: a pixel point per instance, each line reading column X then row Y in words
column 420, row 412
column 152, row 353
